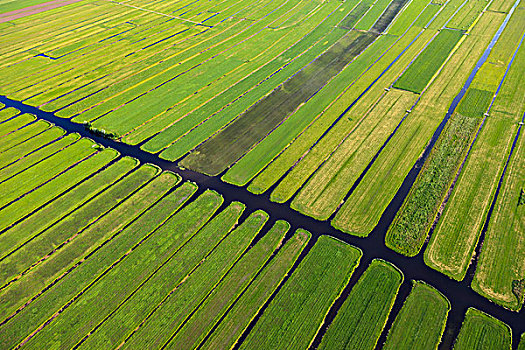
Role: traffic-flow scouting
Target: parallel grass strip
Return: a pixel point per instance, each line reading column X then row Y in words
column 296, row 313
column 363, row 315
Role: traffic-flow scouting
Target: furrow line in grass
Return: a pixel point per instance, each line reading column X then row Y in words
column 205, row 317
column 481, row 331
column 370, row 300
column 93, row 282
column 421, row 320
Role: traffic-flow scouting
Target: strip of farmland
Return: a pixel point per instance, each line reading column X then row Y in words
column 412, row 223
column 452, row 243
column 52, row 297
column 294, row 316
column 330, row 127
column 236, row 321
column 363, row 208
column 230, row 288
column 175, row 307
column 239, row 136
column 83, row 230
column 370, row 299
column 425, row 66
column 146, row 257
column 498, row 276
column 481, row 331
column 421, row 321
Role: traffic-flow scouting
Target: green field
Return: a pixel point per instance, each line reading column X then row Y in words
column 186, row 174
column 293, row 318
column 421, row 321
column 425, row 66
column 361, row 319
column 481, row 331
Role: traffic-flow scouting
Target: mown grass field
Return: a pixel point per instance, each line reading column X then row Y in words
column 143, row 143
column 421, row 321
column 361, row 319
column 480, row 331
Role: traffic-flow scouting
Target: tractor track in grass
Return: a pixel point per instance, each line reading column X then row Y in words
column 459, row 293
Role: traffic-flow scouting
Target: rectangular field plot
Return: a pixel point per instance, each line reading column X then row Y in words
column 294, row 316
column 481, row 331
column 421, row 321
column 422, row 70
column 408, row 232
column 359, row 322
column 500, row 271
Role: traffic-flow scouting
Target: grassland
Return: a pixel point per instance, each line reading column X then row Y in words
column 409, row 230
column 421, row 321
column 363, row 208
column 521, row 345
column 123, row 321
column 363, row 315
column 301, row 159
column 481, row 331
column 293, row 317
column 327, row 188
column 452, row 244
column 425, row 66
column 324, row 106
column 183, row 299
column 228, row 331
column 499, row 273
column 86, row 268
